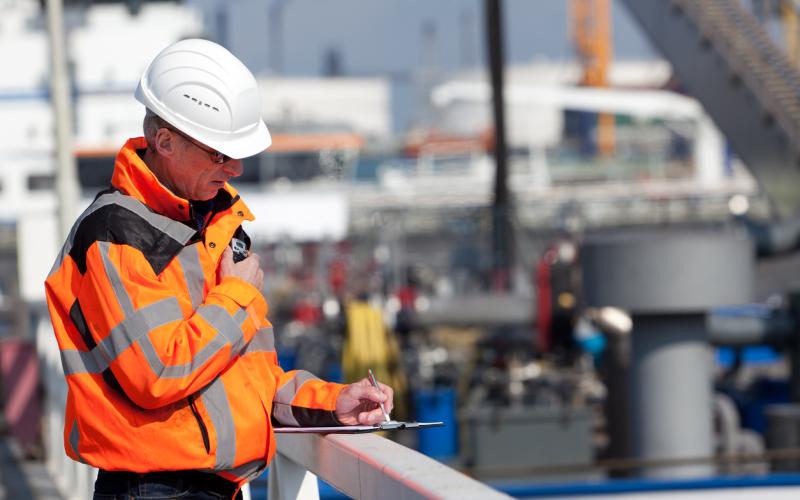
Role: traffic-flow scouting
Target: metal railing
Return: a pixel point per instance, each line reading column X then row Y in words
column 365, row 466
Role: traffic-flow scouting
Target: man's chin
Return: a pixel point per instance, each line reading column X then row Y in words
column 208, row 195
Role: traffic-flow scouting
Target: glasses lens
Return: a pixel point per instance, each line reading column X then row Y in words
column 218, row 157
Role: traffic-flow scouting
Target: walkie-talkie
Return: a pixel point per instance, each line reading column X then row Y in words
column 240, row 244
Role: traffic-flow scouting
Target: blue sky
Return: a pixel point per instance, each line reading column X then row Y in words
column 385, row 36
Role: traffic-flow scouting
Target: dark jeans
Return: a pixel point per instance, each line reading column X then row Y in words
column 187, row 485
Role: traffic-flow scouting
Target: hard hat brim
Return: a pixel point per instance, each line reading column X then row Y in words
column 245, row 146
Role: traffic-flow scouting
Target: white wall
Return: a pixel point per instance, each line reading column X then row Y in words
column 362, row 104
column 110, row 48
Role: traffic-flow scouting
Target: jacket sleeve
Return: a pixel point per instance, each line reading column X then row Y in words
column 157, row 347
column 302, row 399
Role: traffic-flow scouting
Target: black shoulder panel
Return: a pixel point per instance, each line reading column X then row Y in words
column 120, row 226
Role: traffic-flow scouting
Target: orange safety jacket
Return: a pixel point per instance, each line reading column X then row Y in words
column 168, row 367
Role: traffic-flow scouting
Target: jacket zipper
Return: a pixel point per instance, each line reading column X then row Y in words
column 203, row 430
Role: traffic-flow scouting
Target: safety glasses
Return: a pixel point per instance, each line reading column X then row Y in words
column 215, row 155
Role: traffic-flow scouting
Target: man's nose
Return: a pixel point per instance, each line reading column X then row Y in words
column 233, row 167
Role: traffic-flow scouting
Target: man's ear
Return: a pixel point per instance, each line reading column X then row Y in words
column 165, row 142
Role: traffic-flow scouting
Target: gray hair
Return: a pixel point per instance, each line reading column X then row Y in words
column 150, row 125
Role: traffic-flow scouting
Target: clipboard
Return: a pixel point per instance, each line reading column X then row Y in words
column 358, row 429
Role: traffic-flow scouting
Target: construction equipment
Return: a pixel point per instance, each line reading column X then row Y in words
column 369, row 346
column 591, row 33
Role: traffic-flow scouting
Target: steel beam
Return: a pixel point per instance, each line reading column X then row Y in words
column 725, row 60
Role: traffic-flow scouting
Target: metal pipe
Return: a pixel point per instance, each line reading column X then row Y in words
column 793, row 297
column 667, row 280
column 616, row 374
column 727, row 330
column 501, row 225
column 67, row 188
column 670, row 370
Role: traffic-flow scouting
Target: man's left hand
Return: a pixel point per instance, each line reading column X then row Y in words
column 359, row 403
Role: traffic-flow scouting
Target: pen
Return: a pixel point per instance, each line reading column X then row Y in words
column 375, row 384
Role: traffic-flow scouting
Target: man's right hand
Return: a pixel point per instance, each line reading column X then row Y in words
column 248, row 269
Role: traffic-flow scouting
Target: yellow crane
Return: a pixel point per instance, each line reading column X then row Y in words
column 591, row 33
column 788, row 10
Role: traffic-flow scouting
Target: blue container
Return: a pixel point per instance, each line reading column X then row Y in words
column 287, row 359
column 434, row 405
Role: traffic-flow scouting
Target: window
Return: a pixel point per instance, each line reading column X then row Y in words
column 41, row 182
column 94, row 172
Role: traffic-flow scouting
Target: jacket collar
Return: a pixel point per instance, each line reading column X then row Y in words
column 134, row 178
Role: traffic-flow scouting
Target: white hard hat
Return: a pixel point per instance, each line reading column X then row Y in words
column 207, row 93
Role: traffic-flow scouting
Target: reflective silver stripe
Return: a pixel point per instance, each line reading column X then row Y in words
column 208, row 351
column 134, row 329
column 59, row 260
column 172, row 228
column 121, row 338
column 113, row 276
column 283, row 414
column 179, row 371
column 248, row 471
column 76, row 362
column 215, row 400
column 282, row 404
column 137, row 325
column 193, row 274
column 178, row 231
column 229, row 327
column 287, row 391
column 106, row 199
column 199, row 359
column 263, row 341
column 74, row 438
column 239, row 318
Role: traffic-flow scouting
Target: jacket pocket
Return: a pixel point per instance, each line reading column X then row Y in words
column 201, row 424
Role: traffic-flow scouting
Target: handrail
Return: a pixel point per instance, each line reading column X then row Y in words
column 369, row 466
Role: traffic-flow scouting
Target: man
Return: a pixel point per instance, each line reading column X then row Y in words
column 173, row 378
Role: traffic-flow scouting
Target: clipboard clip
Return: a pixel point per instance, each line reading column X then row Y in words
column 391, row 424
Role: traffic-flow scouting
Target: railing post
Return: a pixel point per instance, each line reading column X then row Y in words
column 73, row 480
column 288, row 480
